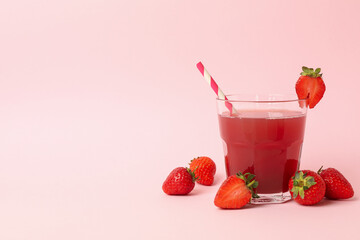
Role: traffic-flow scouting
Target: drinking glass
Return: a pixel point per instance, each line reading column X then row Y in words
column 263, row 136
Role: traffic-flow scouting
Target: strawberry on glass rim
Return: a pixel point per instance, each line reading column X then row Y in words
column 310, row 85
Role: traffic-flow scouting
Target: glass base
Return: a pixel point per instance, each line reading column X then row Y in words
column 272, row 198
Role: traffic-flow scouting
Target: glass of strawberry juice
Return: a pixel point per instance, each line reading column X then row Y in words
column 263, row 137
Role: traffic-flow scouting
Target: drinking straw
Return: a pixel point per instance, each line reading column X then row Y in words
column 215, row 87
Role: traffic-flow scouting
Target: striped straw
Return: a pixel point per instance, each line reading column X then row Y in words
column 215, row 87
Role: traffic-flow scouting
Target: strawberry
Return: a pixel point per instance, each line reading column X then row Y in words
column 310, row 85
column 337, row 186
column 180, row 181
column 204, row 169
column 236, row 191
column 307, row 187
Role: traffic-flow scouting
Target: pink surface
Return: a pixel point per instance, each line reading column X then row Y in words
column 100, row 100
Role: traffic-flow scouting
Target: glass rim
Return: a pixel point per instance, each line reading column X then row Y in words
column 286, row 98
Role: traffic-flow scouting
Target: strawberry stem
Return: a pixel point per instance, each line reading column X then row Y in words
column 320, row 170
column 251, row 183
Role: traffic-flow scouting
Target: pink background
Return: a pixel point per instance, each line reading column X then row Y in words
column 100, row 100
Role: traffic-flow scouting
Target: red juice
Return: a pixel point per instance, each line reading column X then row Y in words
column 265, row 143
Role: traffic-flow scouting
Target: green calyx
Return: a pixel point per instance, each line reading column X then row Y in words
column 250, row 182
column 301, row 184
column 192, row 173
column 310, row 72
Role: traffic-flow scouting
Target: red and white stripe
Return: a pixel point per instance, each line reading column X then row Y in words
column 215, row 87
